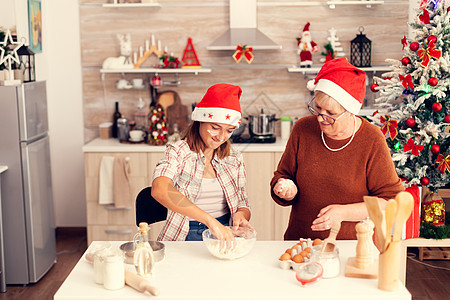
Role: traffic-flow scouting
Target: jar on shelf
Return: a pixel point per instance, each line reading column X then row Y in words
column 285, row 127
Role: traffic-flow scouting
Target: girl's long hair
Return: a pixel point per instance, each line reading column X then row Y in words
column 192, row 136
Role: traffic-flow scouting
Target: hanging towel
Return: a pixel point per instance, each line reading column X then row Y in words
column 105, row 190
column 122, row 189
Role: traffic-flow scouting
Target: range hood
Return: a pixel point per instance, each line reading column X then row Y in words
column 243, row 29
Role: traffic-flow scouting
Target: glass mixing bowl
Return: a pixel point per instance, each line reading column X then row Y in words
column 245, row 239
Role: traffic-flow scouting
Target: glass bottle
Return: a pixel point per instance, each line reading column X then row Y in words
column 116, row 116
column 143, row 255
column 175, row 136
column 141, row 116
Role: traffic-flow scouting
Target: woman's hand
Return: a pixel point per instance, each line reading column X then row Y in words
column 327, row 216
column 239, row 220
column 285, row 189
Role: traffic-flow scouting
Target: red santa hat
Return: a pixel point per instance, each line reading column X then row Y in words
column 306, row 28
column 220, row 105
column 342, row 81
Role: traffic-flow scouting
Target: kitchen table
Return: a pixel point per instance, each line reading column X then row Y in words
column 189, row 271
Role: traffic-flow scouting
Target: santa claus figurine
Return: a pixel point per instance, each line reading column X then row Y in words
column 306, row 47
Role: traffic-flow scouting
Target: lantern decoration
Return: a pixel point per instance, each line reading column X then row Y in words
column 360, row 50
column 26, row 64
column 433, row 209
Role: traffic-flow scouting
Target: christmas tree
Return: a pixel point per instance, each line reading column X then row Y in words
column 414, row 100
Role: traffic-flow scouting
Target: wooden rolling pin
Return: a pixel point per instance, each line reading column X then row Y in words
column 139, row 283
column 135, row 281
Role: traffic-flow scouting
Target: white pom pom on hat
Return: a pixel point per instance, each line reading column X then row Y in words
column 220, row 104
column 343, row 82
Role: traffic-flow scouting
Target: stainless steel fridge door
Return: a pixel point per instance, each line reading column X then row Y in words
column 38, row 202
column 33, row 118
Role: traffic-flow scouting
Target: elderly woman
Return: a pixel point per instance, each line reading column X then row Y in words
column 201, row 179
column 333, row 158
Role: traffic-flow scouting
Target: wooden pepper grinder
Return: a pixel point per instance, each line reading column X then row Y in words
column 363, row 265
column 364, row 247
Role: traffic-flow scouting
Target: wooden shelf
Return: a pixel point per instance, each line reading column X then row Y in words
column 123, row 5
column 156, row 70
column 316, row 69
column 368, row 3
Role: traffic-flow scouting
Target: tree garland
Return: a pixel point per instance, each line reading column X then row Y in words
column 430, row 231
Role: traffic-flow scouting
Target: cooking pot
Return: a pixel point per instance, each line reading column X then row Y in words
column 261, row 124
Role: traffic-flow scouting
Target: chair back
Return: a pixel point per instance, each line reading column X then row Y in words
column 148, row 209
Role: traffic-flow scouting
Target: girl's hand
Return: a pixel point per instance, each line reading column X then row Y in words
column 285, row 189
column 239, row 220
column 223, row 234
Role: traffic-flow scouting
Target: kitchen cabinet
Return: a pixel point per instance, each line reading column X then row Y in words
column 269, row 219
column 105, row 222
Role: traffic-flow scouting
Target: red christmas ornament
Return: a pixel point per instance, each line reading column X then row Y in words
column 447, row 119
column 432, row 38
column 410, row 122
column 424, row 181
column 435, row 148
column 433, row 81
column 406, row 61
column 373, row 87
column 414, row 46
column 436, row 107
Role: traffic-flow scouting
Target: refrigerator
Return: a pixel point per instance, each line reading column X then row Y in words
column 27, row 202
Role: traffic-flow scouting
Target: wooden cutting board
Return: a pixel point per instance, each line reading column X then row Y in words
column 175, row 111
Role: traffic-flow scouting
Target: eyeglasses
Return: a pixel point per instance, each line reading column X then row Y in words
column 326, row 118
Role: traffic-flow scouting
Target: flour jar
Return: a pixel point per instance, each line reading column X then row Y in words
column 329, row 261
column 99, row 263
column 114, row 271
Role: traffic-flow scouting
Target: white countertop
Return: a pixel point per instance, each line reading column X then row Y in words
column 189, row 271
column 113, row 145
column 3, row 169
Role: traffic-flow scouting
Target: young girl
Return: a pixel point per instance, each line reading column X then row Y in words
column 201, row 179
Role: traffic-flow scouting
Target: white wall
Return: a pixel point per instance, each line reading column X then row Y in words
column 60, row 65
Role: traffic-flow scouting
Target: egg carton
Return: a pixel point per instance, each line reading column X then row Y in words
column 290, row 264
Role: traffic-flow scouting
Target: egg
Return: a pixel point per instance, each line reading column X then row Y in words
column 298, row 258
column 317, row 242
column 288, row 251
column 285, row 256
column 304, row 253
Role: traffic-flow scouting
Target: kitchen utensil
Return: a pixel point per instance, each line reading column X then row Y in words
column 390, row 212
column 129, row 248
column 140, row 283
column 329, row 244
column 176, row 113
column 245, row 239
column 363, row 265
column 376, row 215
column 261, row 124
column 405, row 204
column 166, row 99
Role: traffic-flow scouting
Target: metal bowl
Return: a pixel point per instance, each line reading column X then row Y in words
column 129, row 248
